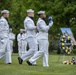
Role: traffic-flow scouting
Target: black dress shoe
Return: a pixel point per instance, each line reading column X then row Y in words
column 20, row 60
column 30, row 64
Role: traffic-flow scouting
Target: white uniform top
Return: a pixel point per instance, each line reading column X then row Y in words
column 11, row 36
column 43, row 29
column 4, row 27
column 21, row 37
column 29, row 27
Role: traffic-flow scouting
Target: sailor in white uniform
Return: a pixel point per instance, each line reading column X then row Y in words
column 22, row 43
column 4, row 37
column 30, row 36
column 42, row 38
column 11, row 39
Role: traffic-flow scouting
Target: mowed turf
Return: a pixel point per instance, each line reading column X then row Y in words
column 55, row 68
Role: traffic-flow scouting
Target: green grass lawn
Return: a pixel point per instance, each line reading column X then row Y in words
column 56, row 68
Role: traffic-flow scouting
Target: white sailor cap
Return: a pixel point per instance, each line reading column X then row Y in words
column 41, row 12
column 21, row 29
column 30, row 11
column 4, row 11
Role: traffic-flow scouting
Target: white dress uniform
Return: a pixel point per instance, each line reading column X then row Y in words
column 42, row 38
column 4, row 40
column 11, row 39
column 30, row 37
column 22, row 43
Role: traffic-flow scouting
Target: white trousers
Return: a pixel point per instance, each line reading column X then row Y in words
column 33, row 47
column 2, row 55
column 22, row 47
column 5, row 50
column 43, row 51
column 11, row 45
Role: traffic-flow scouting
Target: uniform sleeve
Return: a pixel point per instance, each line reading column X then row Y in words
column 29, row 25
column 12, row 37
column 18, row 38
column 43, row 27
column 2, row 25
column 23, row 38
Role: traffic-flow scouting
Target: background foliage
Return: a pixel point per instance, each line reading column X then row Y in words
column 62, row 11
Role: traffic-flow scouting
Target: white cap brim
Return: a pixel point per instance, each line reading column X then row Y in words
column 30, row 11
column 41, row 12
column 4, row 11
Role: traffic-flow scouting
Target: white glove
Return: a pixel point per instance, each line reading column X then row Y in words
column 50, row 23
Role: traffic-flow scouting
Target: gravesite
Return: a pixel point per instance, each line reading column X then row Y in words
column 37, row 37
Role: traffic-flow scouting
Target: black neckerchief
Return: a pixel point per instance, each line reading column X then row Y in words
column 21, row 34
column 31, row 17
column 44, row 19
column 8, row 22
column 6, row 19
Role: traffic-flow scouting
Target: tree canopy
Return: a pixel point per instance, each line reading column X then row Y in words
column 62, row 11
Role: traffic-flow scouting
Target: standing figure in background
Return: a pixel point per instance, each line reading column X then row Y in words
column 22, row 43
column 4, row 37
column 11, row 38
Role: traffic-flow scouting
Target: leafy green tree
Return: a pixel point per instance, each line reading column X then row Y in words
column 62, row 11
